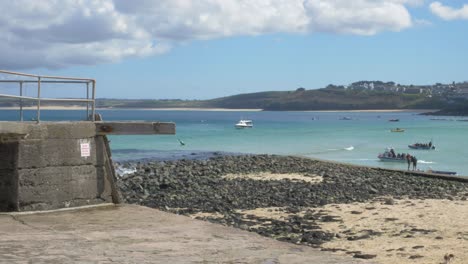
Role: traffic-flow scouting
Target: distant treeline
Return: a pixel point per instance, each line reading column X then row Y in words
column 330, row 98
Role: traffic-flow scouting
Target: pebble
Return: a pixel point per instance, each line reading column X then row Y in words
column 195, row 186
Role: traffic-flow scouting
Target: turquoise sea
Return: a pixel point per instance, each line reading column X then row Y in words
column 320, row 135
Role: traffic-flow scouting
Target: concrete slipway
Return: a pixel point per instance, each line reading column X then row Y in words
column 137, row 234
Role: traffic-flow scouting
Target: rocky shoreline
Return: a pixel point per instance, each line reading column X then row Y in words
column 204, row 190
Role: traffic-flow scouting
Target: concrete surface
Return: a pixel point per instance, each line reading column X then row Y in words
column 43, row 167
column 136, row 234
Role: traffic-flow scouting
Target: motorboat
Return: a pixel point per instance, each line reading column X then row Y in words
column 441, row 172
column 389, row 155
column 244, row 124
column 425, row 146
column 398, row 130
column 346, row 118
column 394, row 120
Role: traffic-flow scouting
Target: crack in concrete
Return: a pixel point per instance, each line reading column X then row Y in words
column 20, row 221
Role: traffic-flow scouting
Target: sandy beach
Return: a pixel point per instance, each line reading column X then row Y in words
column 387, row 216
column 139, row 109
column 409, row 230
column 215, row 109
column 406, row 231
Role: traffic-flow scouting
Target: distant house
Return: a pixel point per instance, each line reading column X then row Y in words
column 462, row 93
column 413, row 90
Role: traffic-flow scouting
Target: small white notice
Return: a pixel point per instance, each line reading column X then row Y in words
column 85, row 150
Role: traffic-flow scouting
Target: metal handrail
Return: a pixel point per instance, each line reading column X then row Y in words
column 58, row 79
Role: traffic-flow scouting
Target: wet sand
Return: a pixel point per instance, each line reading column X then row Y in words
column 406, row 231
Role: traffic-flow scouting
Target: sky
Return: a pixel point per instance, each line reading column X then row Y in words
column 203, row 49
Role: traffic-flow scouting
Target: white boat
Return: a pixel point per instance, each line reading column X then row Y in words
column 389, row 156
column 244, row 124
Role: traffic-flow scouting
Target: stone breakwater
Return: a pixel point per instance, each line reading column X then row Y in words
column 206, row 189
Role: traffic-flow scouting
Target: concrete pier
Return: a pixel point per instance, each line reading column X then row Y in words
column 136, row 234
column 52, row 165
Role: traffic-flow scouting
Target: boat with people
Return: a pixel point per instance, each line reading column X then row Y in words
column 391, row 156
column 243, row 123
column 397, row 130
column 394, row 120
column 425, row 146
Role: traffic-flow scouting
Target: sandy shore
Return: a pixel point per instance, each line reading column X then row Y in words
column 216, row 109
column 405, row 231
column 384, row 215
column 393, row 231
column 378, row 111
column 139, row 109
column 265, row 176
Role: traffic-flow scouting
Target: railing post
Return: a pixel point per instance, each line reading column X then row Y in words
column 94, row 101
column 87, row 103
column 38, row 116
column 21, row 101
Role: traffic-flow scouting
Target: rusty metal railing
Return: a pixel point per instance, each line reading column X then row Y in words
column 42, row 79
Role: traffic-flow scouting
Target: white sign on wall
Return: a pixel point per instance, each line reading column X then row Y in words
column 85, row 149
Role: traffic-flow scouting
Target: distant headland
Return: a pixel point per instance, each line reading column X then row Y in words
column 439, row 99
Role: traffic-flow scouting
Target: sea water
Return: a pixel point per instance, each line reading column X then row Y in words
column 323, row 135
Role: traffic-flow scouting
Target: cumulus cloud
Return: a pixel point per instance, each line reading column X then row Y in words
column 63, row 33
column 449, row 13
column 360, row 17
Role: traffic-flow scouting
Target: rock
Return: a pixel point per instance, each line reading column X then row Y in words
column 198, row 186
column 364, row 256
column 389, row 201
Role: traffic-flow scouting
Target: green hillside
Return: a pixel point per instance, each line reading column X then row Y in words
column 358, row 97
column 328, row 99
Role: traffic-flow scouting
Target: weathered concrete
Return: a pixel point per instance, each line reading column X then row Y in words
column 57, row 187
column 43, row 167
column 50, row 130
column 135, row 234
column 53, row 152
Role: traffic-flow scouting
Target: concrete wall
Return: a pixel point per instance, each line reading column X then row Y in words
column 44, row 167
column 8, row 175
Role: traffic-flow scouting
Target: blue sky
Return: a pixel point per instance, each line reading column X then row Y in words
column 370, row 40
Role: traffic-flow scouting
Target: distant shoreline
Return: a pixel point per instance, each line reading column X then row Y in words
column 219, row 109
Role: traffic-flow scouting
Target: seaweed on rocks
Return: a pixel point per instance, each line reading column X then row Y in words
column 192, row 186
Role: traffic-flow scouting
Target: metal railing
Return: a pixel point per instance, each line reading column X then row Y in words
column 55, row 80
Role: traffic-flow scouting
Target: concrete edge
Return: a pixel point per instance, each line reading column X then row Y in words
column 70, row 209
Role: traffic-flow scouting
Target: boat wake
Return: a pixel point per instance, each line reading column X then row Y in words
column 426, row 162
column 360, row 159
column 122, row 171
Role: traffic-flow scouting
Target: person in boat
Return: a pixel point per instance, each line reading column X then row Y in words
column 408, row 159
column 414, row 160
column 430, row 144
column 392, row 151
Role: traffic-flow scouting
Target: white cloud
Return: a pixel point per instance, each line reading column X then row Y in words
column 422, row 22
column 360, row 17
column 62, row 33
column 449, row 13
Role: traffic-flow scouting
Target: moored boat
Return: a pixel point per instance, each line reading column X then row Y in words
column 244, row 124
column 394, row 120
column 390, row 156
column 424, row 146
column 398, row 130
